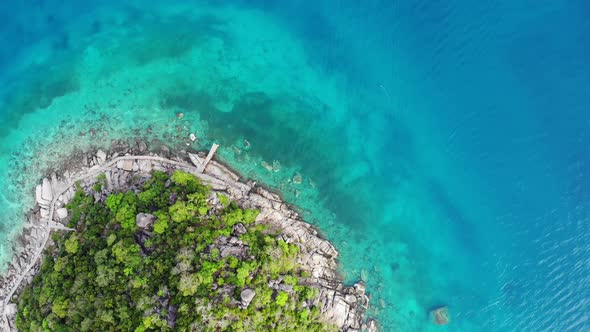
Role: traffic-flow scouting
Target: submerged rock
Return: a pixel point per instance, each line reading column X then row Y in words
column 364, row 275
column 267, row 166
column 360, row 287
column 371, row 325
column 276, row 166
column 440, row 315
column 297, row 178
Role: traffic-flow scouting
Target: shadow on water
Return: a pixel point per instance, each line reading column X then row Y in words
column 327, row 47
column 278, row 129
column 169, row 39
column 298, row 133
column 37, row 90
column 462, row 228
column 155, row 39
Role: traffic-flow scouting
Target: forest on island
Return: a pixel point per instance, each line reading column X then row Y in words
column 163, row 257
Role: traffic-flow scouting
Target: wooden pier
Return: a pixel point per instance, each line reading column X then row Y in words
column 209, row 157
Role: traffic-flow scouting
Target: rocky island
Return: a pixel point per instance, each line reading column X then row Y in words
column 139, row 240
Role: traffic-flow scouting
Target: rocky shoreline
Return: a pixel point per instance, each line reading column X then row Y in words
column 342, row 305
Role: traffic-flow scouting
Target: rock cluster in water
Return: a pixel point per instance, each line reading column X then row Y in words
column 440, row 315
column 342, row 305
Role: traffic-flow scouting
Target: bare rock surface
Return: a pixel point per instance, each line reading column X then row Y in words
column 39, row 196
column 46, row 191
column 247, row 295
column 62, row 213
column 239, row 229
column 144, row 220
column 101, row 156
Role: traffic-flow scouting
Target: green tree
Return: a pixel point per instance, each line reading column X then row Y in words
column 113, row 201
column 71, row 244
column 188, row 284
column 182, row 211
column 60, row 307
column 282, row 298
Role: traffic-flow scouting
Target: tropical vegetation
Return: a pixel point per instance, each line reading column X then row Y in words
column 173, row 273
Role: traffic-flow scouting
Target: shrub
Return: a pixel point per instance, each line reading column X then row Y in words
column 160, row 226
column 71, row 244
column 113, row 201
column 223, row 199
column 282, row 298
column 182, row 211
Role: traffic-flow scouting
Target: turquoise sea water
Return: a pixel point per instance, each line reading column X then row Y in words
column 443, row 146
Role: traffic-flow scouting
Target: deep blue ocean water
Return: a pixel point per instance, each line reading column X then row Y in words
column 444, row 146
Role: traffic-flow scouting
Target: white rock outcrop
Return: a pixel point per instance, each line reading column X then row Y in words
column 62, row 213
column 46, row 190
column 101, row 156
column 247, row 296
column 144, row 220
column 39, row 196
